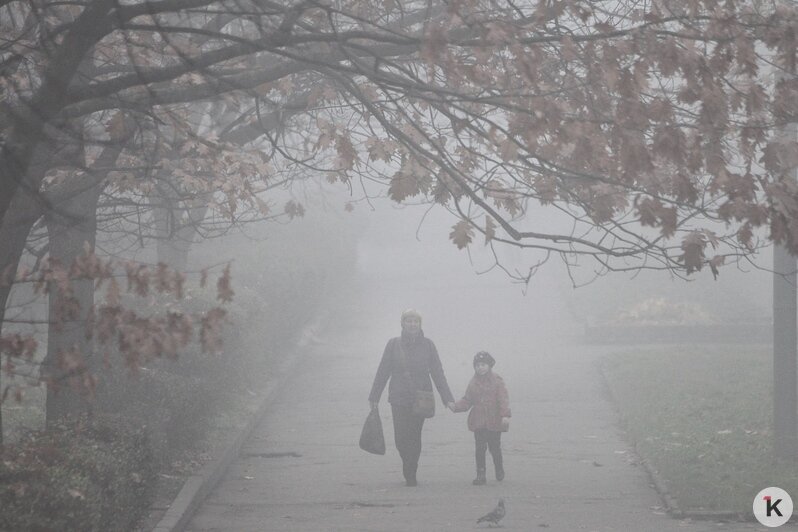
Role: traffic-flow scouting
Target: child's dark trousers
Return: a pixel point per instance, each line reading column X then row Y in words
column 488, row 439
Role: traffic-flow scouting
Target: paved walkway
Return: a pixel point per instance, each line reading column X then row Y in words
column 567, row 466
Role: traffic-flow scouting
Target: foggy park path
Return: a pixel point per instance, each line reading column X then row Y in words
column 567, row 468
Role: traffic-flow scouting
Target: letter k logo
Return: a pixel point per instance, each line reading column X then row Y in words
column 772, row 506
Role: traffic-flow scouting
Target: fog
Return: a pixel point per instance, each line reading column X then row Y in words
column 407, row 252
column 325, row 291
column 246, row 246
column 566, row 440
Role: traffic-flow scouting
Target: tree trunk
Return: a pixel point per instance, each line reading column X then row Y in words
column 14, row 230
column 72, row 227
column 173, row 241
column 785, row 416
column 176, row 219
column 17, row 223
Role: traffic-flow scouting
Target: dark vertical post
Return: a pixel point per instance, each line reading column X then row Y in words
column 785, row 379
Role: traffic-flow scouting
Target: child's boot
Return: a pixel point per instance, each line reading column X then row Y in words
column 480, row 480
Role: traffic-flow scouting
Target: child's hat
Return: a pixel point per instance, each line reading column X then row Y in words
column 484, row 356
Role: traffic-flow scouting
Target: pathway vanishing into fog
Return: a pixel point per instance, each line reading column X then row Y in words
column 567, row 467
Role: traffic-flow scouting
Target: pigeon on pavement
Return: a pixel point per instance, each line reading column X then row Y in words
column 494, row 516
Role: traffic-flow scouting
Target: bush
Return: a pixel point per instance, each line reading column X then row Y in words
column 171, row 409
column 94, row 479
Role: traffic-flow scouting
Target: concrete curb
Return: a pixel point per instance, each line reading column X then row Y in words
column 197, row 487
column 670, row 504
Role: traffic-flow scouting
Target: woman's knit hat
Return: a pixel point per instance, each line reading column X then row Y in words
column 411, row 312
column 484, row 356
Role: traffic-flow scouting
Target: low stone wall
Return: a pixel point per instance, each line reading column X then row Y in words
column 664, row 334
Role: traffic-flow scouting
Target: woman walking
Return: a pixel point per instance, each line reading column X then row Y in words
column 409, row 361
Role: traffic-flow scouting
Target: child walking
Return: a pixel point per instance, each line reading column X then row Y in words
column 486, row 397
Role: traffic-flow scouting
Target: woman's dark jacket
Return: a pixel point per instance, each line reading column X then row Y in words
column 422, row 362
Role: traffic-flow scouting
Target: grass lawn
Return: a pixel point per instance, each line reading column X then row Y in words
column 702, row 417
column 25, row 416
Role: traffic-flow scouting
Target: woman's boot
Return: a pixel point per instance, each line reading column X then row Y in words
column 409, row 471
column 480, row 480
column 498, row 464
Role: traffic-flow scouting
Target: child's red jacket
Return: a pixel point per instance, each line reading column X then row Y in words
column 487, row 398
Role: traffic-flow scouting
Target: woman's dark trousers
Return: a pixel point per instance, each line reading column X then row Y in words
column 407, row 434
column 489, row 439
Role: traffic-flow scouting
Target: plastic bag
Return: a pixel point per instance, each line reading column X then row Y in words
column 372, row 439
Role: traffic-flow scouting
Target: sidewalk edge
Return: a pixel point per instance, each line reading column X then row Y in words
column 197, row 487
column 658, row 483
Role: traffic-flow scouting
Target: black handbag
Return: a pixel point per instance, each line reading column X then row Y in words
column 424, row 404
column 372, row 439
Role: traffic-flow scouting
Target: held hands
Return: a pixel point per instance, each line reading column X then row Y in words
column 449, row 405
